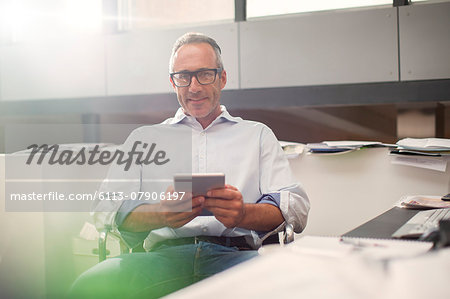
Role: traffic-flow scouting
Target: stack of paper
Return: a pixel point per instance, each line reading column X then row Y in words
column 422, row 202
column 423, row 147
column 428, row 153
column 334, row 147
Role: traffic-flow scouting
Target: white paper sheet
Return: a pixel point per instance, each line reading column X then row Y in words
column 425, row 143
column 346, row 143
column 421, row 162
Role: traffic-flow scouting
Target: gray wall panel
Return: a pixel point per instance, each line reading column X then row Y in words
column 320, row 48
column 1, row 98
column 137, row 63
column 53, row 69
column 425, row 41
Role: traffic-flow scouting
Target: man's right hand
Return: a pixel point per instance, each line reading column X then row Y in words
column 178, row 219
column 172, row 214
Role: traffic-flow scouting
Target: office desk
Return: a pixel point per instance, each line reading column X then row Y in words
column 384, row 225
column 296, row 272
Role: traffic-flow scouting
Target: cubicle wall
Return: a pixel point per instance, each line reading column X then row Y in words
column 111, row 65
column 22, row 255
column 137, row 62
column 347, row 190
column 53, row 69
column 41, row 251
column 424, row 32
column 333, row 47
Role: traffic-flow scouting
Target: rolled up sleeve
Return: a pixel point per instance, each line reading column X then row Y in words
column 277, row 181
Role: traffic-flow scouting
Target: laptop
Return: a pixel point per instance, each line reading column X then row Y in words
column 423, row 221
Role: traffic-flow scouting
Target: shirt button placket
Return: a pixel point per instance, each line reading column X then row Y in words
column 202, row 153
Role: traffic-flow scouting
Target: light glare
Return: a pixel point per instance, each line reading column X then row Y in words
column 28, row 21
column 83, row 16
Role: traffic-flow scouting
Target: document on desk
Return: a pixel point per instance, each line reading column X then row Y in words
column 343, row 146
column 433, row 163
column 422, row 202
column 352, row 143
column 415, row 148
column 378, row 249
column 429, row 144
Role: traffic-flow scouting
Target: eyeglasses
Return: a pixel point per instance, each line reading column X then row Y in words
column 204, row 77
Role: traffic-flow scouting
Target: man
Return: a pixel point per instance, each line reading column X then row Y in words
column 184, row 247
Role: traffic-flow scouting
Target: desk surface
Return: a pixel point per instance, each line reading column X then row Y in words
column 327, row 272
column 384, row 225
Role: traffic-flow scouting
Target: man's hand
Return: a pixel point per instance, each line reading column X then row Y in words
column 168, row 213
column 227, row 205
column 178, row 219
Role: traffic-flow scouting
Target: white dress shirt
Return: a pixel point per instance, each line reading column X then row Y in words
column 249, row 155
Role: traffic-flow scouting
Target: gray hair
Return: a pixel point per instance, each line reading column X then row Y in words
column 195, row 38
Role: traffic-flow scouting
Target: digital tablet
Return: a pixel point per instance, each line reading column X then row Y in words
column 198, row 184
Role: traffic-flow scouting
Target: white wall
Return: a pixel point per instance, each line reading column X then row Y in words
column 348, row 46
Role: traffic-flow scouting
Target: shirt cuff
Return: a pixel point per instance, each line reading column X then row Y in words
column 270, row 198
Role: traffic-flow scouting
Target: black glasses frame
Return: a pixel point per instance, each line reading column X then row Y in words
column 216, row 71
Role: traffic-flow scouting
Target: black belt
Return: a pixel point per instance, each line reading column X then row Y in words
column 239, row 242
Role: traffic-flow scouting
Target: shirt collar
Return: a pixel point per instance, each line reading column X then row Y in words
column 225, row 115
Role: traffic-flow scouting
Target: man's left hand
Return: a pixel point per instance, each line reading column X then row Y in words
column 227, row 205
